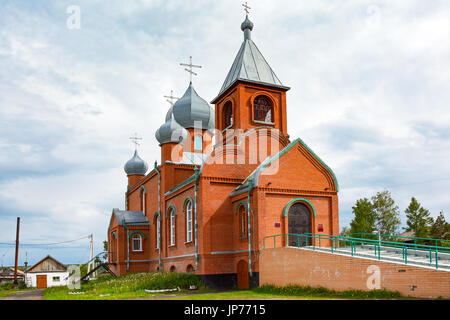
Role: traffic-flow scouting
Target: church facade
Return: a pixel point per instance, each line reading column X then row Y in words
column 229, row 176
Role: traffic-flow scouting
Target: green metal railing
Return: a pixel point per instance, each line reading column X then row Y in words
column 333, row 242
column 396, row 238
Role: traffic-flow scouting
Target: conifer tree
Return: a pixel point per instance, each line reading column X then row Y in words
column 364, row 217
column 440, row 228
column 387, row 213
column 418, row 219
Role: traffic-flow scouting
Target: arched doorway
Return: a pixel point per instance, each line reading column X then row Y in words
column 242, row 275
column 299, row 222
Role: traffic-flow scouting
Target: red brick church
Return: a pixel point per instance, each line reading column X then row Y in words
column 229, row 176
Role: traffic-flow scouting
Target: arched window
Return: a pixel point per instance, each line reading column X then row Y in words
column 158, row 232
column 172, row 269
column 263, row 109
column 172, row 227
column 142, row 195
column 227, row 115
column 242, row 215
column 188, row 221
column 137, row 242
column 190, row 269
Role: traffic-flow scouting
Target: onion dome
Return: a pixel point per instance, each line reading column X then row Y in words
column 170, row 131
column 135, row 165
column 247, row 24
column 191, row 108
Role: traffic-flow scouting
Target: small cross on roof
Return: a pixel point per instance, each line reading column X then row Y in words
column 171, row 98
column 135, row 140
column 190, row 66
column 246, row 7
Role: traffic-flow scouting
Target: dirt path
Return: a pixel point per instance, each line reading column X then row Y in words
column 25, row 295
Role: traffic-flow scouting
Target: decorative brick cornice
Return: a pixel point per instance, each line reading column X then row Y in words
column 296, row 191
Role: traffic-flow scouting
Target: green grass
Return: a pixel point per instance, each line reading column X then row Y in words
column 320, row 292
column 242, row 295
column 8, row 288
column 130, row 286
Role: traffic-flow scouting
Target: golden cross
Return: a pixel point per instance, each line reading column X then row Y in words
column 190, row 65
column 171, row 98
column 246, row 7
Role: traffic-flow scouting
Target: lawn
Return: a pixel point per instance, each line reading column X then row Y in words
column 132, row 286
column 7, row 289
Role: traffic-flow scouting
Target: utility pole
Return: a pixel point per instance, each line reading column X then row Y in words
column 17, row 250
column 91, row 264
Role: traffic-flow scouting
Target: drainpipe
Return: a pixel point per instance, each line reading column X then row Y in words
column 250, row 188
column 128, row 245
column 195, row 216
column 159, row 214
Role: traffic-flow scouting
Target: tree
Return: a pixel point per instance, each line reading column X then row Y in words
column 386, row 212
column 364, row 217
column 440, row 229
column 105, row 248
column 418, row 219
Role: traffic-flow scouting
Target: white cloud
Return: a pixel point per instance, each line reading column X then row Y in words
column 370, row 91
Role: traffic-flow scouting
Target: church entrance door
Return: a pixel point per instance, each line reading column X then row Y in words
column 242, row 275
column 299, row 222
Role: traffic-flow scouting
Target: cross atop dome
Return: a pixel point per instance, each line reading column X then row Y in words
column 171, row 98
column 190, row 66
column 135, row 140
column 246, row 7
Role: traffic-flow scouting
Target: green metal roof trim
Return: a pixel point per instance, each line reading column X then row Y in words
column 137, row 231
column 171, row 207
column 323, row 163
column 290, row 203
column 188, row 198
column 238, row 205
column 276, row 156
column 181, row 185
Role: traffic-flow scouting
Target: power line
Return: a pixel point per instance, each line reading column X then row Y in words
column 44, row 244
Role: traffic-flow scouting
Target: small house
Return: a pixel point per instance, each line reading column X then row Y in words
column 48, row 272
column 7, row 275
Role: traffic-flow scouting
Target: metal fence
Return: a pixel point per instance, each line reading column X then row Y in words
column 332, row 242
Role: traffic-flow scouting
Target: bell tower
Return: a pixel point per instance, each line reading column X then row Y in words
column 251, row 96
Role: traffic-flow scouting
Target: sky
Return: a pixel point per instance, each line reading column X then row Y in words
column 370, row 93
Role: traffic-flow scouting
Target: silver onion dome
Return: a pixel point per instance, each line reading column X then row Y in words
column 191, row 108
column 247, row 24
column 135, row 165
column 170, row 131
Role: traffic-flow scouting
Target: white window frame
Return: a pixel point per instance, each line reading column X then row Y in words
column 136, row 237
column 158, row 233
column 172, row 227
column 189, row 221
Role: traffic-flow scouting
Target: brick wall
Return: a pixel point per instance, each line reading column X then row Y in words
column 283, row 266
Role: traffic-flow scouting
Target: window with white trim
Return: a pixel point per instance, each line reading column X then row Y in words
column 189, row 221
column 172, row 227
column 137, row 242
